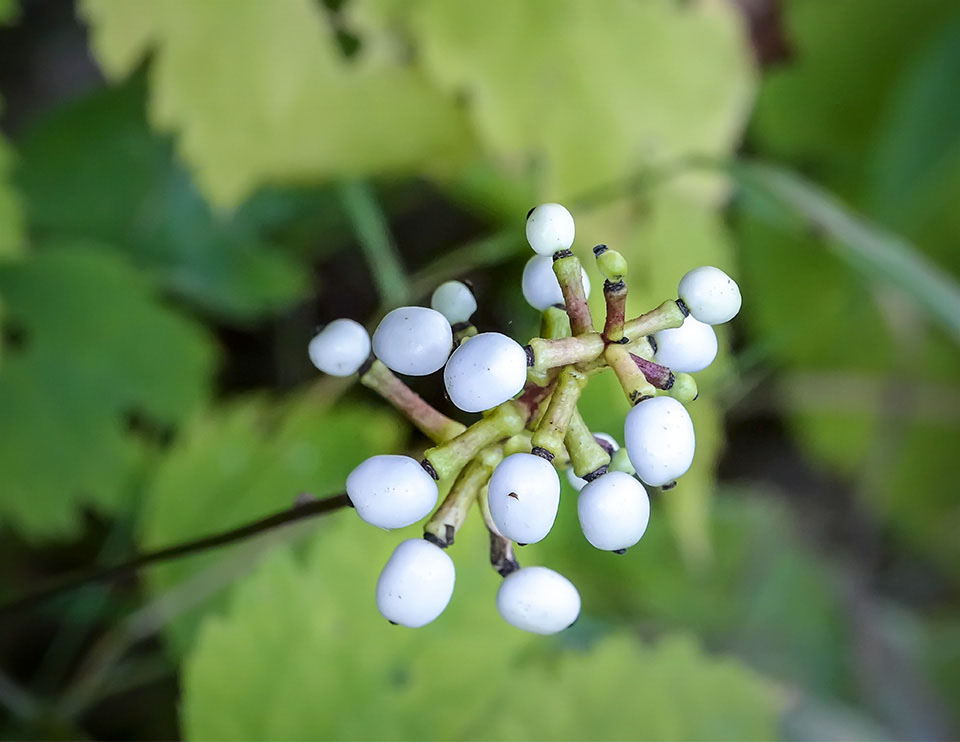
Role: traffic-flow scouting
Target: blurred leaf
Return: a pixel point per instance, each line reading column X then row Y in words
column 523, row 68
column 93, row 169
column 11, row 210
column 259, row 92
column 888, row 143
column 248, row 460
column 348, row 674
column 93, row 357
column 8, row 11
column 865, row 246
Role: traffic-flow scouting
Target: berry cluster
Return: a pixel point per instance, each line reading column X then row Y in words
column 507, row 462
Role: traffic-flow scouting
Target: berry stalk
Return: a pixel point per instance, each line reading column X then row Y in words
column 615, row 296
column 665, row 317
column 552, row 429
column 550, row 353
column 443, row 526
column 659, row 376
column 569, row 274
column 586, row 455
column 428, row 420
column 444, row 461
column 631, row 378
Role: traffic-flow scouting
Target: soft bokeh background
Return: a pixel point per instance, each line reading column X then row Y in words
column 188, row 188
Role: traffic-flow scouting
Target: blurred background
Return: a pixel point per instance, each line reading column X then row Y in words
column 189, row 189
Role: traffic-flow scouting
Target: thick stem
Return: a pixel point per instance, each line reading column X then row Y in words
column 550, row 353
column 553, row 427
column 615, row 295
column 523, row 443
column 442, row 528
column 431, row 422
column 554, row 323
column 501, row 548
column 569, row 273
column 665, row 317
column 449, row 458
column 586, row 455
column 659, row 376
column 684, row 388
column 634, row 384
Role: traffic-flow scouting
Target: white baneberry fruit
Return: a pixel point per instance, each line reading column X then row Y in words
column 540, row 286
column 484, row 371
column 550, row 228
column 391, row 491
column 614, row 510
column 416, row 584
column 524, row 494
column 658, row 435
column 688, row 348
column 340, row 348
column 538, row 600
column 455, row 301
column 578, row 482
column 710, row 295
column 413, row 340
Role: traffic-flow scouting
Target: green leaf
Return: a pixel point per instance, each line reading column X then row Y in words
column 348, row 674
column 259, row 92
column 869, row 387
column 248, row 460
column 93, row 169
column 11, row 209
column 94, row 357
column 865, row 246
column 574, row 98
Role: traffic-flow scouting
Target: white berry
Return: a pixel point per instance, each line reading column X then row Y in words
column 416, row 584
column 340, row 348
column 540, row 286
column 484, row 371
column 578, row 482
column 455, row 301
column 658, row 434
column 688, row 348
column 710, row 295
column 524, row 494
column 413, row 340
column 614, row 510
column 550, row 228
column 538, row 600
column 391, row 491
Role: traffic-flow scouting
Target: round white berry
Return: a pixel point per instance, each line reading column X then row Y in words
column 614, row 511
column 416, row 584
column 484, row 371
column 538, row 600
column 658, row 434
column 413, row 340
column 550, row 228
column 710, row 295
column 340, row 348
column 524, row 494
column 391, row 491
column 688, row 348
column 612, row 447
column 540, row 286
column 455, row 301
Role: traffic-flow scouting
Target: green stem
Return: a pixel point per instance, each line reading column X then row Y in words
column 450, row 457
column 667, row 316
column 553, row 427
column 551, row 353
column 442, row 528
column 586, row 455
column 634, row 384
column 431, row 422
column 501, row 548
